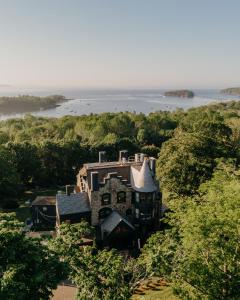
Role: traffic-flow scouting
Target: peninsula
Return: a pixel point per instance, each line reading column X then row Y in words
column 180, row 93
column 231, row 91
column 28, row 103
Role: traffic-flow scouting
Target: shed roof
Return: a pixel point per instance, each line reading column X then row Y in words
column 142, row 181
column 44, row 200
column 72, row 204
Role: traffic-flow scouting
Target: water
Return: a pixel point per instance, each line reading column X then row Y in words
column 98, row 101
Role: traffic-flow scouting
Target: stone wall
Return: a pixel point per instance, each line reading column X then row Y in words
column 112, row 186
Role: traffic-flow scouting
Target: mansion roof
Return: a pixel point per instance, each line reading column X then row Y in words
column 72, row 204
column 112, row 221
column 142, row 181
column 136, row 174
column 44, row 200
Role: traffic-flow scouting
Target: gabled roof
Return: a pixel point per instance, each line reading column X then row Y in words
column 112, row 221
column 44, row 200
column 72, row 204
column 142, row 181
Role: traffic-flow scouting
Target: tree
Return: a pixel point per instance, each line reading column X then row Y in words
column 185, row 162
column 205, row 258
column 10, row 183
column 26, row 161
column 28, row 269
column 97, row 274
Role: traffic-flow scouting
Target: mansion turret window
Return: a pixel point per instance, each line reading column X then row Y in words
column 106, row 199
column 146, row 197
column 121, row 197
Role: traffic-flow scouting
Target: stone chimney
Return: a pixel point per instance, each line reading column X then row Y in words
column 139, row 157
column 152, row 164
column 123, row 155
column 102, row 156
column 69, row 189
column 94, row 181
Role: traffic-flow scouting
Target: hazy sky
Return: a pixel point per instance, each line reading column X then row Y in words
column 120, row 43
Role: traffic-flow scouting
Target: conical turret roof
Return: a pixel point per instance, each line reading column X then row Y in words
column 142, row 181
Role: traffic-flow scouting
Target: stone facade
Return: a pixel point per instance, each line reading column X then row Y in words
column 112, row 186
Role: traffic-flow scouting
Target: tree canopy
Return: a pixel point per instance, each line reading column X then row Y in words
column 28, row 269
column 200, row 254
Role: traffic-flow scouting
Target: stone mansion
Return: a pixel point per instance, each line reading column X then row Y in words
column 120, row 198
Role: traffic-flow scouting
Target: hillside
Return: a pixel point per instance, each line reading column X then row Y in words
column 28, row 103
column 231, row 91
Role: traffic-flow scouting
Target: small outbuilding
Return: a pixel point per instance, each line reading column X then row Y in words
column 43, row 210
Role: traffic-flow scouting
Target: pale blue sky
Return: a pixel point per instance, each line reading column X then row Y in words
column 120, row 43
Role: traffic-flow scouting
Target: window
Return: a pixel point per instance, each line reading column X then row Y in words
column 149, row 197
column 121, row 197
column 142, row 197
column 104, row 213
column 106, row 199
column 146, row 197
column 44, row 208
column 133, row 198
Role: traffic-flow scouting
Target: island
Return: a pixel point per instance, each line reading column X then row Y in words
column 29, row 103
column 180, row 93
column 231, row 91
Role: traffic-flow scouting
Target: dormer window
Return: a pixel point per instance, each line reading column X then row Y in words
column 121, row 197
column 106, row 199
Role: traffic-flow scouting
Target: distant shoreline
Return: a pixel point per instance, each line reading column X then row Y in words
column 231, row 91
column 79, row 102
column 26, row 103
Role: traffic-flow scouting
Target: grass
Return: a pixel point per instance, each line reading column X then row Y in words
column 154, row 288
column 164, row 293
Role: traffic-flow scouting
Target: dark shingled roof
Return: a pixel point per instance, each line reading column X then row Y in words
column 44, row 200
column 75, row 203
column 112, row 221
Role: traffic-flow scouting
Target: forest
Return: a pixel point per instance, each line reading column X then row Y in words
column 198, row 156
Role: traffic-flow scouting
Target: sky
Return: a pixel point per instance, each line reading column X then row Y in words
column 120, row 43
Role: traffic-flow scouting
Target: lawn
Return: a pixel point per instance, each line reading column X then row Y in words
column 154, row 288
column 164, row 293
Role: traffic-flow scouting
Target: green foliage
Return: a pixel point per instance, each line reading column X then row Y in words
column 185, row 162
column 157, row 255
column 188, row 159
column 100, row 275
column 9, row 178
column 97, row 274
column 201, row 254
column 28, row 269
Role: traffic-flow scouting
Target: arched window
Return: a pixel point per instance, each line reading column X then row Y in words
column 106, row 199
column 121, row 197
column 104, row 213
